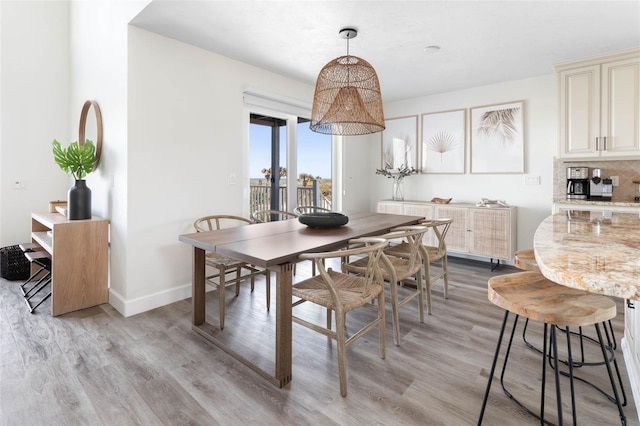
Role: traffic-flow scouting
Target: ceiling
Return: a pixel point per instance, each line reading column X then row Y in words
column 481, row 42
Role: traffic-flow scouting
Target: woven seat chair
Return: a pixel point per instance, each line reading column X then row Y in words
column 437, row 255
column 310, row 209
column 262, row 216
column 341, row 293
column 400, row 271
column 225, row 265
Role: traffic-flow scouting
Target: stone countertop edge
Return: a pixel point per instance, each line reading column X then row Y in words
column 597, row 203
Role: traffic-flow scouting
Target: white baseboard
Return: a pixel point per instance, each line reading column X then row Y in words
column 142, row 304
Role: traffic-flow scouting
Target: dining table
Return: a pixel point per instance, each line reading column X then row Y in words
column 276, row 247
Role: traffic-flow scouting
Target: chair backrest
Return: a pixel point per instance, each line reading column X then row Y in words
column 262, row 216
column 440, row 228
column 366, row 246
column 309, row 209
column 412, row 237
column 221, row 221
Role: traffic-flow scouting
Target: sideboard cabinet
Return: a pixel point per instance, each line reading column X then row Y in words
column 479, row 231
column 79, row 259
column 600, row 106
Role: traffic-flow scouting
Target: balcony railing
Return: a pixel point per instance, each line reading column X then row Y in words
column 260, row 197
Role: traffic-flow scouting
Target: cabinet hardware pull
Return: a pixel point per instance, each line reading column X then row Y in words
column 630, row 304
column 597, row 143
column 605, row 143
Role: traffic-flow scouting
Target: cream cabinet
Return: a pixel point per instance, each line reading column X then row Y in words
column 631, row 347
column 79, row 259
column 600, row 106
column 478, row 231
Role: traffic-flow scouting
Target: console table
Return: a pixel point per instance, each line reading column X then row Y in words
column 79, row 259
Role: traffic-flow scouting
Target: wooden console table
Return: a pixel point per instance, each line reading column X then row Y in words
column 79, row 252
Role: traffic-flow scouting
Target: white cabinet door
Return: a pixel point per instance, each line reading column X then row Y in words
column 579, row 111
column 620, row 108
column 600, row 107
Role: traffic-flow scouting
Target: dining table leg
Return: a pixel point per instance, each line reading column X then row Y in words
column 284, row 282
column 198, row 284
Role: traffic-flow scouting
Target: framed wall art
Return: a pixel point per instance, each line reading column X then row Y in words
column 399, row 142
column 443, row 142
column 497, row 138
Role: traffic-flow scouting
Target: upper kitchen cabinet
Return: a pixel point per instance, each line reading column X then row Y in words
column 600, row 106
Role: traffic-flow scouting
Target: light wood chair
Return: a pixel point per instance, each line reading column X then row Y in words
column 309, row 209
column 262, row 216
column 225, row 265
column 400, row 270
column 436, row 255
column 342, row 293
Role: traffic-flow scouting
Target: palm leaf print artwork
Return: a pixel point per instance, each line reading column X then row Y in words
column 442, row 142
column 500, row 123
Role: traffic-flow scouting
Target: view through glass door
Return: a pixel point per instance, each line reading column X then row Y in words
column 268, row 152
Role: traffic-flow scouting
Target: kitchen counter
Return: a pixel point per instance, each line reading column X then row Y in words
column 598, row 203
column 599, row 255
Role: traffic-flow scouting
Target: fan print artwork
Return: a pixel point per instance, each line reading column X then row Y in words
column 443, row 142
column 497, row 138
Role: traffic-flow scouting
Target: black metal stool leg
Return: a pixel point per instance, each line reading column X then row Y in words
column 623, row 418
column 493, row 367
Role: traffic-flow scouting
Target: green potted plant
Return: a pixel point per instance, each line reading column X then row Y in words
column 398, row 177
column 78, row 161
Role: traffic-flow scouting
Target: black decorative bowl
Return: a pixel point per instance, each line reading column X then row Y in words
column 323, row 219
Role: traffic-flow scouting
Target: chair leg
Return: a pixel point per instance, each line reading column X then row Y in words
column 420, row 295
column 445, row 271
column 623, row 418
column 221, row 287
column 238, row 275
column 394, row 311
column 382, row 326
column 342, row 358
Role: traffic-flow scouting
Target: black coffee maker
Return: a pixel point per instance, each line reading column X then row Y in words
column 577, row 183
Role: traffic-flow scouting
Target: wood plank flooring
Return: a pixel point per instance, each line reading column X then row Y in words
column 94, row 367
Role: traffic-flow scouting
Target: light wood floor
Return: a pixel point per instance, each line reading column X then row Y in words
column 94, row 367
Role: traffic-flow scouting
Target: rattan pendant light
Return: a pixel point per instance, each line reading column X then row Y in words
column 347, row 100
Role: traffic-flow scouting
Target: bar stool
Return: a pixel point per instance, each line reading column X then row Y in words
column 526, row 260
column 531, row 295
column 31, row 247
column 43, row 258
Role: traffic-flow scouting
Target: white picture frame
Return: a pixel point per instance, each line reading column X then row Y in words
column 400, row 143
column 443, row 144
column 497, row 138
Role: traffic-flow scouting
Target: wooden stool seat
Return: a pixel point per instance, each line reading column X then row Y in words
column 32, row 256
column 526, row 260
column 25, row 247
column 531, row 295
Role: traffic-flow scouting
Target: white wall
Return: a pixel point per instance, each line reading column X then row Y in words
column 185, row 137
column 34, row 100
column 541, row 130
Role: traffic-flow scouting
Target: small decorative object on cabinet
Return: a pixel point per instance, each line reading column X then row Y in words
column 600, row 106
column 78, row 161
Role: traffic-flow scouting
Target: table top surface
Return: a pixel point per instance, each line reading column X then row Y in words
column 275, row 243
column 594, row 251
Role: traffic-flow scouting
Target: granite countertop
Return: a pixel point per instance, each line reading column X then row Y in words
column 630, row 203
column 599, row 255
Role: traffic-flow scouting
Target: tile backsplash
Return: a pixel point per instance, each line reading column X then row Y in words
column 626, row 170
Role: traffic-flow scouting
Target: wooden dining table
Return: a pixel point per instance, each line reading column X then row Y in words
column 274, row 246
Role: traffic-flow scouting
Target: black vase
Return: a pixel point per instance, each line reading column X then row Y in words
column 79, row 200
